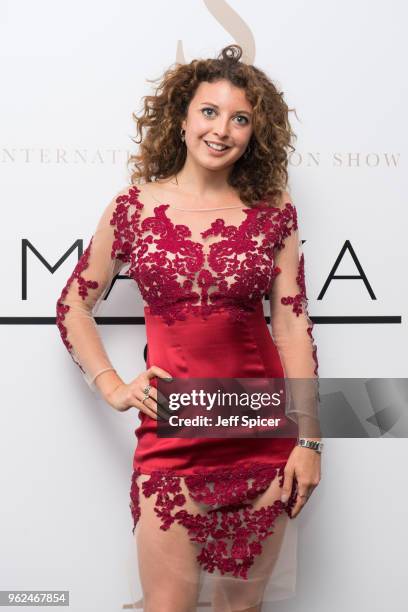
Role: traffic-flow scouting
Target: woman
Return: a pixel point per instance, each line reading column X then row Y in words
column 208, row 230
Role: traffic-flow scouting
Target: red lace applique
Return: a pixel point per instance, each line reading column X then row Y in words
column 288, row 223
column 314, row 349
column 230, row 532
column 157, row 272
column 174, row 274
column 135, row 499
column 300, row 298
column 83, row 285
column 126, row 228
column 299, row 302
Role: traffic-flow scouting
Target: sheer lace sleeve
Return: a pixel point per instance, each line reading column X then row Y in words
column 90, row 280
column 292, row 327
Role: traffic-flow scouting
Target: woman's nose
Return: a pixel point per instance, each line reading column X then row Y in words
column 221, row 128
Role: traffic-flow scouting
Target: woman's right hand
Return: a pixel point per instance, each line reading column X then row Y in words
column 128, row 395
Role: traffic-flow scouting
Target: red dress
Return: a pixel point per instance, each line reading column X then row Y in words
column 202, row 275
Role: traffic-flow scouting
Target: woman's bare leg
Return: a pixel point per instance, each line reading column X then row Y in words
column 169, row 571
column 239, row 595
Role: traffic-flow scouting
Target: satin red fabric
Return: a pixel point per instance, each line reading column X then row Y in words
column 205, row 348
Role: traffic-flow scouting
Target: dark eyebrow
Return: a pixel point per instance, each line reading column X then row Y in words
column 216, row 106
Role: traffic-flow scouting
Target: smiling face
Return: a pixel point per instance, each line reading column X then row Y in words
column 218, row 114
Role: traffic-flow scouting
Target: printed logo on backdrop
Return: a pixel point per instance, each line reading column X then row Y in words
column 32, row 251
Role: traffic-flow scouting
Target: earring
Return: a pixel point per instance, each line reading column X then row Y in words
column 182, row 135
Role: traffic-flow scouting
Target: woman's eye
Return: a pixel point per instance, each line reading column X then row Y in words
column 243, row 117
column 244, row 122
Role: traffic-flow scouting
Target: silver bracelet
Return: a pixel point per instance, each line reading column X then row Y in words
column 317, row 446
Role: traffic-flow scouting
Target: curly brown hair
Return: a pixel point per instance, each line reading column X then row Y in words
column 262, row 174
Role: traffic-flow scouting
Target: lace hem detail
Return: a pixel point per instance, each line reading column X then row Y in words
column 231, row 531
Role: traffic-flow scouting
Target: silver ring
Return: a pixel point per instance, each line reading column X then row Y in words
column 146, row 392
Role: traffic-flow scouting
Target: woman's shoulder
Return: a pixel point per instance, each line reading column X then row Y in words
column 283, row 211
column 122, row 193
column 117, row 203
column 150, row 192
column 278, row 201
column 127, row 194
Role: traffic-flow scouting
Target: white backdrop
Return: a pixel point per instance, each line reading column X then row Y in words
column 71, row 75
